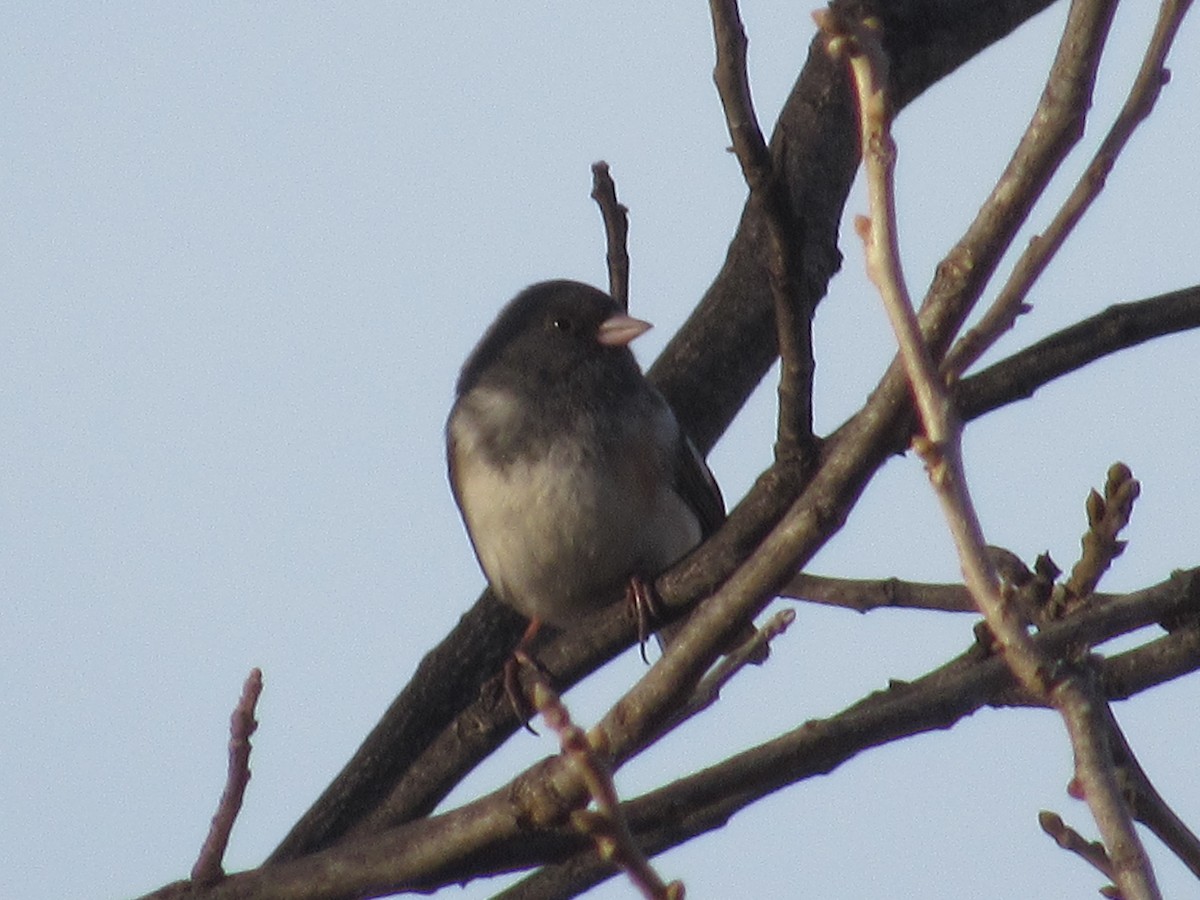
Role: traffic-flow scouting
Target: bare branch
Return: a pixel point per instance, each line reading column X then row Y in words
column 242, row 724
column 936, row 700
column 940, row 446
column 606, row 825
column 865, row 594
column 616, row 232
column 785, row 234
column 1084, row 710
column 706, row 372
column 1143, row 94
column 1091, row 852
column 1116, row 328
column 1056, row 126
column 449, row 679
column 718, row 357
column 1171, row 656
column 486, row 723
column 527, row 822
column 1148, row 806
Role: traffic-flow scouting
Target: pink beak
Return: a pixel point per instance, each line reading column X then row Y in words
column 619, row 330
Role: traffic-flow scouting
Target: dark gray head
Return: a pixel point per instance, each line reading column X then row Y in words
column 556, row 335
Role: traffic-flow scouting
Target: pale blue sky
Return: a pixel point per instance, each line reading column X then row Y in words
column 247, row 248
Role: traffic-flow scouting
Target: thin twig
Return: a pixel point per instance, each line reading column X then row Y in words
column 1084, row 710
column 940, row 443
column 1147, row 804
column 708, row 691
column 793, row 320
column 208, row 868
column 606, row 824
column 866, row 594
column 616, row 232
column 1143, row 94
column 1091, row 852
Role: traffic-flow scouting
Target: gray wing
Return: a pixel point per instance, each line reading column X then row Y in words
column 695, row 483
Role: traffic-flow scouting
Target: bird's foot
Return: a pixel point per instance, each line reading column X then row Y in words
column 647, row 608
column 512, row 676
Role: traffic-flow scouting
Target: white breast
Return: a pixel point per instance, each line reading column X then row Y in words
column 560, row 535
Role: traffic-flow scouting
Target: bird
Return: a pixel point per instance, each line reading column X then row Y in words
column 574, row 479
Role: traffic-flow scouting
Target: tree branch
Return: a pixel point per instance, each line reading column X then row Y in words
column 865, row 594
column 1116, row 328
column 937, row 700
column 606, row 825
column 1148, row 806
column 208, row 868
column 526, row 823
column 716, row 359
column 429, row 770
column 1143, row 94
column 706, row 372
column 1070, row 690
column 616, row 232
column 785, row 235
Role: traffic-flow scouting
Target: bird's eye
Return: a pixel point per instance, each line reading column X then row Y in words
column 562, row 324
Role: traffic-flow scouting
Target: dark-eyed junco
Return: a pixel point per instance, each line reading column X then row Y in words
column 571, row 472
